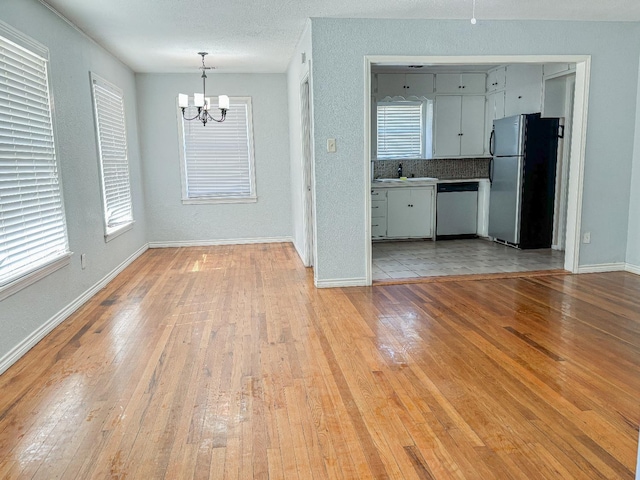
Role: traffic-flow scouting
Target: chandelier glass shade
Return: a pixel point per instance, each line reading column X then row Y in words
column 202, row 102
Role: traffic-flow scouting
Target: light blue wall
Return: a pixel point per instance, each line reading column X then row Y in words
column 339, row 47
column 171, row 221
column 72, row 57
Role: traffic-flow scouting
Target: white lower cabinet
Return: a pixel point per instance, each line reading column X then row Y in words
column 410, row 212
column 379, row 213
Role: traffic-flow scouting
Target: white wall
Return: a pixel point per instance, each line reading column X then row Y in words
column 72, row 57
column 171, row 222
column 295, row 74
column 633, row 237
column 339, row 47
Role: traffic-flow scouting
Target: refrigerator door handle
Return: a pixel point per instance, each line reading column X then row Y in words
column 491, row 140
column 491, row 171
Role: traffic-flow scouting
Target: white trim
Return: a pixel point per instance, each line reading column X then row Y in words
column 32, row 277
column 573, row 219
column 206, row 201
column 308, row 176
column 25, row 41
column 603, row 267
column 24, row 346
column 230, row 241
column 578, row 137
column 368, row 250
column 119, row 231
column 341, row 282
column 632, row 268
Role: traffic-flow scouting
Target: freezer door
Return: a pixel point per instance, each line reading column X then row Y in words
column 508, row 140
column 505, row 199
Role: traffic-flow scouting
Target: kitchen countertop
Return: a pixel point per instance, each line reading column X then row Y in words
column 419, row 181
column 409, row 182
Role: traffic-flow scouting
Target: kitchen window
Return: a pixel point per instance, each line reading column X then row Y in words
column 404, row 129
column 217, row 159
column 108, row 103
column 33, row 232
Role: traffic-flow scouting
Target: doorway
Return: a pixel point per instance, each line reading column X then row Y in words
column 571, row 166
column 307, row 172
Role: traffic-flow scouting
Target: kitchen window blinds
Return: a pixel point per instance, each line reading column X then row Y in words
column 33, row 235
column 108, row 104
column 217, row 159
column 400, row 129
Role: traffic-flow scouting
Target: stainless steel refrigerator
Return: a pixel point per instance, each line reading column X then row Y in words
column 522, row 174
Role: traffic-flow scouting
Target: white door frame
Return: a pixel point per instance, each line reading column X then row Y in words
column 578, row 135
column 308, row 184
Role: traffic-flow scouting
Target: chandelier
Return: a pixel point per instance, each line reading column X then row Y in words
column 201, row 102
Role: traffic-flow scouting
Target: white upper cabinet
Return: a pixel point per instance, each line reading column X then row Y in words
column 459, row 125
column 461, row 83
column 523, row 89
column 495, row 111
column 401, row 84
column 496, row 79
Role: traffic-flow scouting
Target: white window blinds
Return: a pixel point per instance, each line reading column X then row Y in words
column 32, row 224
column 218, row 162
column 400, row 129
column 108, row 104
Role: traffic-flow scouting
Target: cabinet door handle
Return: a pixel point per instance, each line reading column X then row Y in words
column 375, row 207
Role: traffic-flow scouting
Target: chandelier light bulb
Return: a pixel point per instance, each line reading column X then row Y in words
column 473, row 21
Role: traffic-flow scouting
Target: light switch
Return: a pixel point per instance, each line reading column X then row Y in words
column 331, row 145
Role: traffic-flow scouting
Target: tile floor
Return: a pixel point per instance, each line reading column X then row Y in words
column 426, row 258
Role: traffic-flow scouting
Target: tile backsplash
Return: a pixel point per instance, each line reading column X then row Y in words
column 443, row 168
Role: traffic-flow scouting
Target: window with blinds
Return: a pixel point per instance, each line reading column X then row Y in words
column 108, row 103
column 217, row 159
column 400, row 129
column 33, row 234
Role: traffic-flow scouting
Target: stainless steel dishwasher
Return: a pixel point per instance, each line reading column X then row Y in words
column 457, row 210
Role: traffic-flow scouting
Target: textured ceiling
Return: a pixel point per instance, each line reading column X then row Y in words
column 260, row 35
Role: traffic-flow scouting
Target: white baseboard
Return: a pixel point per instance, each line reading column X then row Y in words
column 603, row 267
column 209, row 243
column 633, row 268
column 341, row 282
column 23, row 347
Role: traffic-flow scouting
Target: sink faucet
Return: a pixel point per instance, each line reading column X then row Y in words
column 399, row 170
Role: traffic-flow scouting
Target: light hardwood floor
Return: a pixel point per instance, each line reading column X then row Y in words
column 226, row 362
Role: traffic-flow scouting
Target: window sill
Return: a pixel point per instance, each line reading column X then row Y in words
column 118, row 231
column 32, row 277
column 204, row 200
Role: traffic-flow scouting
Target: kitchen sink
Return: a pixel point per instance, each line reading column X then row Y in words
column 406, row 180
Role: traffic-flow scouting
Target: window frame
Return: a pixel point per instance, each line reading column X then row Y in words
column 111, row 232
column 219, row 199
column 46, row 266
column 426, row 132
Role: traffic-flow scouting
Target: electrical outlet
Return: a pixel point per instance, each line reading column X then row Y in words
column 586, row 237
column 331, row 145
column 83, row 260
